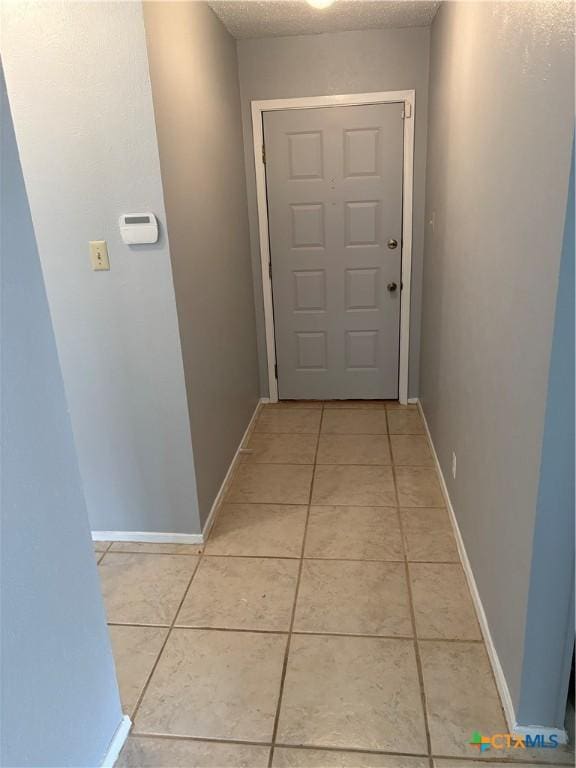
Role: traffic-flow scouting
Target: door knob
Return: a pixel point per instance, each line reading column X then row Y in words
column 392, row 244
column 392, row 287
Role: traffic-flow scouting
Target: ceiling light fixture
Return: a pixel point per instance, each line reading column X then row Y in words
column 320, row 5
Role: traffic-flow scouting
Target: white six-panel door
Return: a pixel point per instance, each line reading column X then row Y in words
column 334, row 188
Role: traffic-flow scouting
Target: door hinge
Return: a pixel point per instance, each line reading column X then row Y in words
column 276, row 370
column 263, row 154
column 407, row 111
column 270, row 269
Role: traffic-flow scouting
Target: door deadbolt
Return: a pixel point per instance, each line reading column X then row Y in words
column 392, row 244
column 392, row 287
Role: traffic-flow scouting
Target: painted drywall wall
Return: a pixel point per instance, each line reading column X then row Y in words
column 344, row 62
column 59, row 703
column 500, row 134
column 195, row 88
column 550, row 612
column 78, row 82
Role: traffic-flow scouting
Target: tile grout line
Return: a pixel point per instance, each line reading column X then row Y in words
column 339, row 434
column 473, row 759
column 298, row 632
column 157, row 554
column 161, row 651
column 201, row 739
column 294, row 604
column 336, row 559
column 412, row 616
column 291, row 504
column 100, row 555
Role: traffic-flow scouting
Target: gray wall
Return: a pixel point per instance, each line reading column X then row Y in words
column 501, row 122
column 196, row 99
column 550, row 614
column 344, row 62
column 59, row 703
column 78, row 82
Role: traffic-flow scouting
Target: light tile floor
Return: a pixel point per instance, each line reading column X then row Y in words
column 327, row 622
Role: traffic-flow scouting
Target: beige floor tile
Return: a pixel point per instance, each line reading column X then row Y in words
column 411, row 450
column 265, row 530
column 362, row 598
column 271, row 484
column 418, row 487
column 281, row 449
column 354, row 533
column 150, row 752
column 353, row 404
column 210, row 684
column 101, row 546
column 461, row 695
column 152, row 548
column 396, row 405
column 144, row 589
column 352, row 692
column 286, row 757
column 405, row 421
column 135, row 652
column 241, row 593
column 353, row 485
column 353, row 449
column 428, row 535
column 442, row 603
column 354, row 421
column 289, row 421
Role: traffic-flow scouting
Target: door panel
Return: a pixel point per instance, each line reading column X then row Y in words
column 334, row 186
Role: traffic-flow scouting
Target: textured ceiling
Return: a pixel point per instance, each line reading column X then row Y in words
column 295, row 17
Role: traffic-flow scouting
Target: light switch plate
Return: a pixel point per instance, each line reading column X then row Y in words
column 99, row 255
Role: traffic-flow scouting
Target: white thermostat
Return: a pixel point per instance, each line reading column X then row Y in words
column 138, row 228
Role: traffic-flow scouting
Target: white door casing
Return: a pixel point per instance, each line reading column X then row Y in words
column 258, row 108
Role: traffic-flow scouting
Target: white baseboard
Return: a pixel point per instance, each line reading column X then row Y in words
column 413, row 401
column 117, row 742
column 184, row 538
column 501, row 683
column 148, row 536
column 228, row 478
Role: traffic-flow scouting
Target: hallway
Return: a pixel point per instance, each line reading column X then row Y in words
column 364, row 210
column 328, row 610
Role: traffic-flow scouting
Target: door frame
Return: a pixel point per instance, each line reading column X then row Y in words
column 408, row 98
